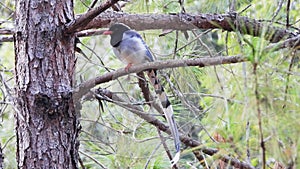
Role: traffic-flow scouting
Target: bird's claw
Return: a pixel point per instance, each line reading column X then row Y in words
column 128, row 66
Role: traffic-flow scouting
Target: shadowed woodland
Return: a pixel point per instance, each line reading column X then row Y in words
column 230, row 70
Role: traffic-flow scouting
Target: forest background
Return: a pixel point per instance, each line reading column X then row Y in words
column 239, row 103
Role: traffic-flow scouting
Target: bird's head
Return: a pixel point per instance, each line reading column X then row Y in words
column 116, row 32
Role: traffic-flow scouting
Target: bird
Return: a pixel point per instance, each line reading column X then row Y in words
column 130, row 48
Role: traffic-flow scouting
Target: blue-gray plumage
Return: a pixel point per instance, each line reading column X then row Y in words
column 130, row 48
column 128, row 45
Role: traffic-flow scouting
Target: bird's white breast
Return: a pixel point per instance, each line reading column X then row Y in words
column 131, row 50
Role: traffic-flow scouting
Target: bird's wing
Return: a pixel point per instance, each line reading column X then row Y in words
column 133, row 40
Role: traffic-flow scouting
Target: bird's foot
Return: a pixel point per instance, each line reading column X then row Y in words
column 128, row 66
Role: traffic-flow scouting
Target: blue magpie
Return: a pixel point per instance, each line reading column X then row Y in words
column 131, row 49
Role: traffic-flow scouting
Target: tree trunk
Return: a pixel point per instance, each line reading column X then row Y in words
column 46, row 123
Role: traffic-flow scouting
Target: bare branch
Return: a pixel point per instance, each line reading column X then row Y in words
column 259, row 116
column 277, row 10
column 288, row 14
column 6, row 38
column 1, row 157
column 293, row 42
column 6, row 31
column 201, row 62
column 143, row 84
column 89, row 33
column 228, row 22
column 87, row 17
column 93, row 4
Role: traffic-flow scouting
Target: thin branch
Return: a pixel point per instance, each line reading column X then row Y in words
column 288, row 14
column 247, row 134
column 78, row 34
column 143, row 84
column 149, row 99
column 83, row 88
column 288, row 77
column 6, row 31
column 259, row 116
column 1, row 157
column 6, row 38
column 277, row 10
column 93, row 159
column 243, row 10
column 108, row 95
column 181, row 97
column 163, row 141
column 89, row 33
column 92, row 5
column 81, row 163
column 6, row 7
column 87, row 17
column 83, row 3
column 152, row 154
column 288, row 43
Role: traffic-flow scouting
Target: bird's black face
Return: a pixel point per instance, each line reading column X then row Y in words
column 116, row 32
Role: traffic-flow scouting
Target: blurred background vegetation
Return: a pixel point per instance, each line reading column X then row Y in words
column 230, row 100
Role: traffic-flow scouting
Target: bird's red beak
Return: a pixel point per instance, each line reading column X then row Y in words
column 107, row 32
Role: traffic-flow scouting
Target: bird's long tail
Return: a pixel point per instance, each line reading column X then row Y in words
column 168, row 111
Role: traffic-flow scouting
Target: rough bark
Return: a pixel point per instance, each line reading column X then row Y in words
column 46, row 122
column 227, row 22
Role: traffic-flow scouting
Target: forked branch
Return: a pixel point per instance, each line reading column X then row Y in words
column 112, row 97
column 84, row 19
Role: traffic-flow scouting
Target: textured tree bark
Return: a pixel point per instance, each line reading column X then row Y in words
column 46, row 123
column 227, row 22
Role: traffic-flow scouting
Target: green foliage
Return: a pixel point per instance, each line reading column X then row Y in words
column 224, row 95
column 7, row 133
column 81, row 6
